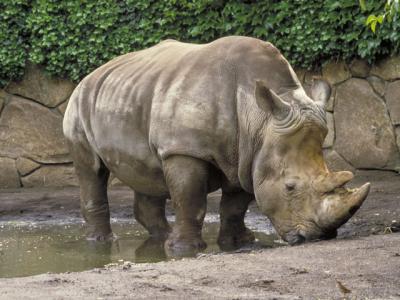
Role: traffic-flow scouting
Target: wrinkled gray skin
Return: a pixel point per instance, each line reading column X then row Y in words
column 181, row 120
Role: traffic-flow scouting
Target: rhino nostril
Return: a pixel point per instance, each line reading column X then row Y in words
column 300, row 239
column 290, row 185
column 295, row 239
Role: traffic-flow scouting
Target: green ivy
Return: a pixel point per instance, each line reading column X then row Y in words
column 14, row 39
column 71, row 38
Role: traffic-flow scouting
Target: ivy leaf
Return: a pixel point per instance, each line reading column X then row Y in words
column 370, row 19
column 373, row 25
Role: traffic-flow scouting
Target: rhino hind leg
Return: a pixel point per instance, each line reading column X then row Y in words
column 233, row 232
column 186, row 178
column 150, row 213
column 93, row 178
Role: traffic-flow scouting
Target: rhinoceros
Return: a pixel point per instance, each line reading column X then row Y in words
column 181, row 120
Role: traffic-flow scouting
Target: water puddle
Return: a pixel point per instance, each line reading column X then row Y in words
column 34, row 249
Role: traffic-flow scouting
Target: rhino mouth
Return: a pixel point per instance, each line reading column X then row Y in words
column 297, row 238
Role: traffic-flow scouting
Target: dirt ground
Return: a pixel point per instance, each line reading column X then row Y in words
column 363, row 263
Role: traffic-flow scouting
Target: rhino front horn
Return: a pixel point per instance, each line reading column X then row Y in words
column 358, row 198
column 340, row 206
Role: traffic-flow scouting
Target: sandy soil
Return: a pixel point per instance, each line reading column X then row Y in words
column 363, row 263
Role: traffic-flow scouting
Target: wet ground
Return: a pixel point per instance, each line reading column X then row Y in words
column 31, row 250
column 41, row 231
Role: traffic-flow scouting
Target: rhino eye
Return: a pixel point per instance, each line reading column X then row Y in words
column 290, row 185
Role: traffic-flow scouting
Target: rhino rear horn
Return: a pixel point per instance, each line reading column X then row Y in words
column 270, row 102
column 320, row 91
column 332, row 180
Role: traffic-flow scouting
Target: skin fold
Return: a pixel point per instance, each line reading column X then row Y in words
column 181, row 120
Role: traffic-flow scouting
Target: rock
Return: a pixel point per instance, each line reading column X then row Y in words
column 364, row 133
column 32, row 131
column 397, row 131
column 301, row 73
column 307, row 89
column 392, row 96
column 310, row 75
column 51, row 176
column 331, row 131
column 62, row 107
column 26, row 166
column 335, row 162
column 359, row 68
column 38, row 86
column 3, row 96
column 388, row 69
column 378, row 84
column 8, row 174
column 331, row 101
column 336, row 72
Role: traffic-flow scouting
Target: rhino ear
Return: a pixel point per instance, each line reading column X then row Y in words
column 268, row 101
column 320, row 91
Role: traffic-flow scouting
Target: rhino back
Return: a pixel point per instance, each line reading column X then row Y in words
column 173, row 98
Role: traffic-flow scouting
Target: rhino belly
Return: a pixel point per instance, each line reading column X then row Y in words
column 125, row 150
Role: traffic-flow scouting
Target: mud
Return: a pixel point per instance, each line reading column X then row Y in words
column 30, row 250
column 364, row 262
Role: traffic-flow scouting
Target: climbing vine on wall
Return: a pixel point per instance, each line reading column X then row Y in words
column 71, row 38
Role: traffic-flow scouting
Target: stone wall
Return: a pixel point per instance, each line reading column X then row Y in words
column 33, row 151
column 363, row 114
column 363, row 117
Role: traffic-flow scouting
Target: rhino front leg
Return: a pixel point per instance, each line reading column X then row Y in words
column 186, row 178
column 233, row 232
column 93, row 178
column 150, row 213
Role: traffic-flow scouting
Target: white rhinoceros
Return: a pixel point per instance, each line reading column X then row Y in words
column 181, row 120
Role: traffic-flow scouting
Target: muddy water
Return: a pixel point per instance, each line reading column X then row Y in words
column 27, row 249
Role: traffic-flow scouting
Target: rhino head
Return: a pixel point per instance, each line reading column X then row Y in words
column 292, row 184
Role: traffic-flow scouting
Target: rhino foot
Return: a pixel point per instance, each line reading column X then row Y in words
column 231, row 240
column 187, row 247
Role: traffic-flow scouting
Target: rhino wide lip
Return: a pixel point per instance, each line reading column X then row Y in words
column 299, row 238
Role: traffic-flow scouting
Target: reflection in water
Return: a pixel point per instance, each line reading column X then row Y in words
column 26, row 250
column 151, row 250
